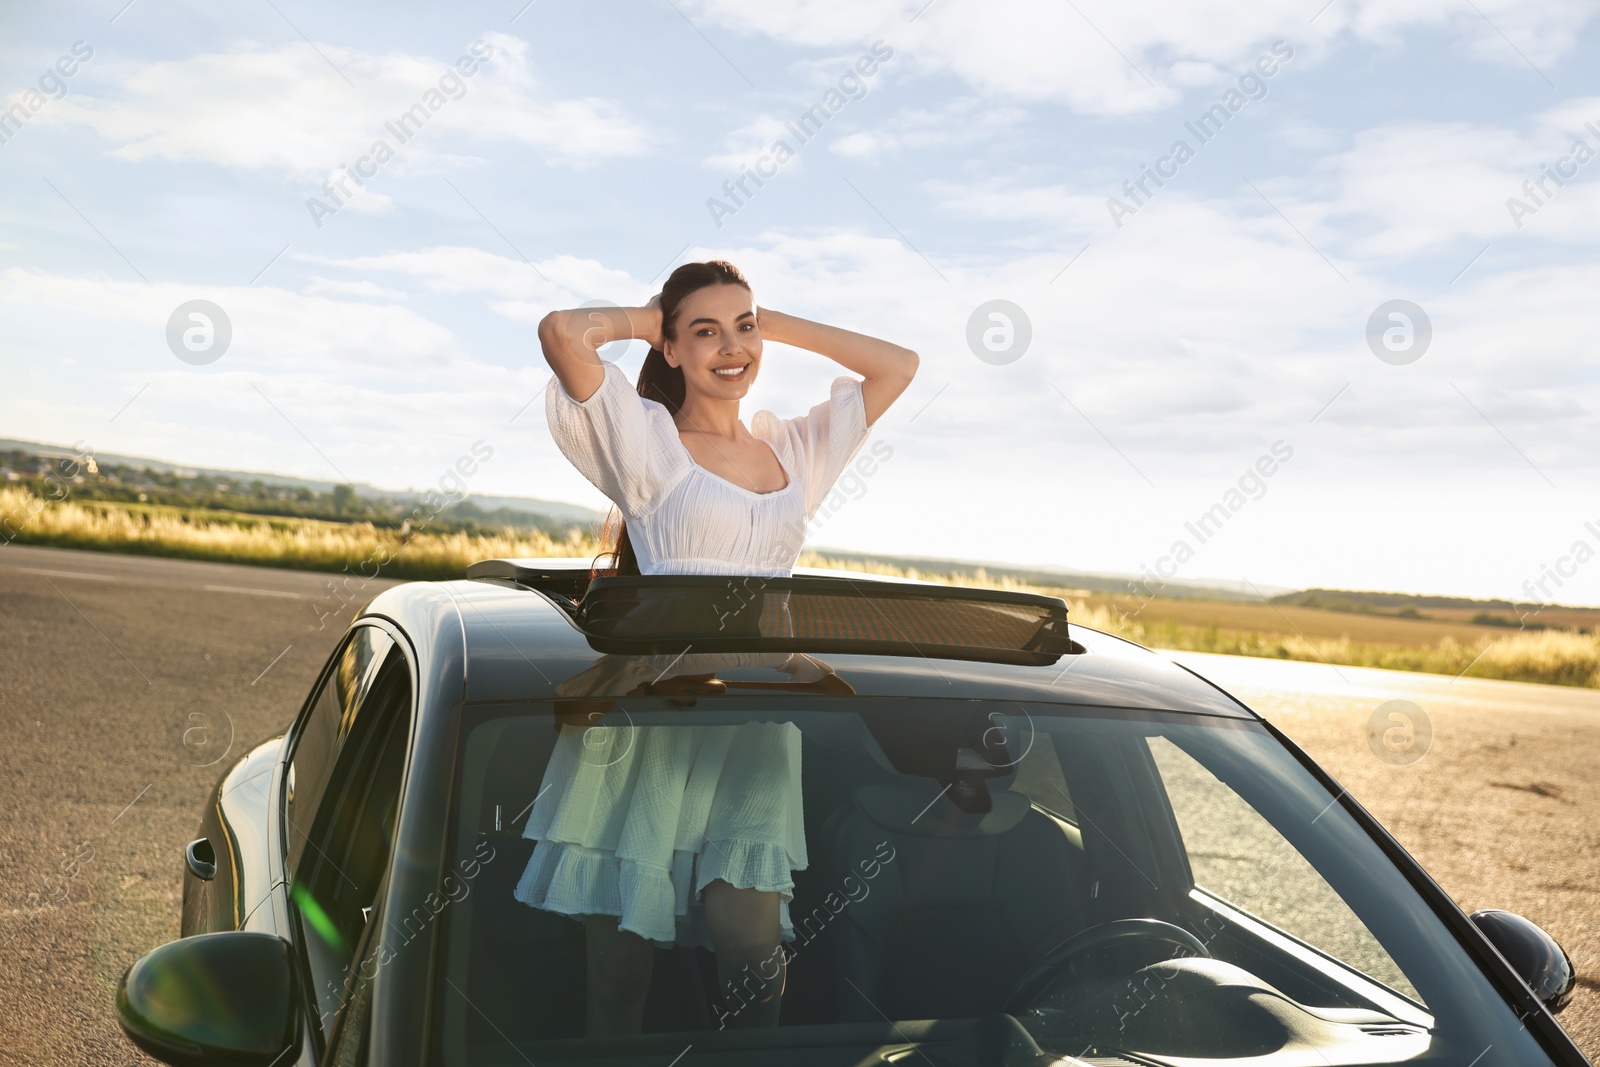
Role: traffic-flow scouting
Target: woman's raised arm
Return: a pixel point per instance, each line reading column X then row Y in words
column 571, row 340
column 886, row 369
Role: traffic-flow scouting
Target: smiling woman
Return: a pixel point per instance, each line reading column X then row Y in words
column 697, row 491
column 691, row 836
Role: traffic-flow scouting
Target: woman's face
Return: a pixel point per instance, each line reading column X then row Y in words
column 719, row 342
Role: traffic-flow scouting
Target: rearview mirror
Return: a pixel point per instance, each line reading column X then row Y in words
column 212, row 998
column 1536, row 956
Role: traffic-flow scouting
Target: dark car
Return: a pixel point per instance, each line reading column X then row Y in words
column 1027, row 843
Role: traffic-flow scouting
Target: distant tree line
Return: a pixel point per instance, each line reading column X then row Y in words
column 121, row 483
column 1503, row 613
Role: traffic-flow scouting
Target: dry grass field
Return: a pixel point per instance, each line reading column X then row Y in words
column 228, row 537
column 1557, row 657
column 1312, row 623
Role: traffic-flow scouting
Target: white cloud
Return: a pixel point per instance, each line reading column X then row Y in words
column 840, row 82
column 1503, row 32
column 309, row 384
column 457, row 269
column 1059, row 207
column 283, row 109
column 1110, row 59
column 958, row 123
column 1389, row 193
column 274, row 330
column 743, row 146
column 337, row 287
column 1416, row 187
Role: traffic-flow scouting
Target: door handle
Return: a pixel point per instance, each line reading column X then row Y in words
column 201, row 859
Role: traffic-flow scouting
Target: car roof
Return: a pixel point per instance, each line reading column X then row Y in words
column 520, row 645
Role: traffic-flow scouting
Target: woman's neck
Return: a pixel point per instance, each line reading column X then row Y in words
column 710, row 415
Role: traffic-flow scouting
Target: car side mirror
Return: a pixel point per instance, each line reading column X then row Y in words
column 226, row 997
column 1536, row 956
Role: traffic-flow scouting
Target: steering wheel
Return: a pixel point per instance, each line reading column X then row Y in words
column 1043, row 974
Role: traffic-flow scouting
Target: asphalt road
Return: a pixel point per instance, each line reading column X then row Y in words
column 125, row 682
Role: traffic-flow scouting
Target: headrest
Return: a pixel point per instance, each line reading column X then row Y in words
column 922, row 811
column 956, row 745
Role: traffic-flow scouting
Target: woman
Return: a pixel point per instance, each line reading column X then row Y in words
column 661, row 835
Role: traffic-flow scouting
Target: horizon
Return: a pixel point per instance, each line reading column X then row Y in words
column 1198, row 583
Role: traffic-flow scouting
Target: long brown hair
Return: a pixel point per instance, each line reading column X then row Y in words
column 662, row 382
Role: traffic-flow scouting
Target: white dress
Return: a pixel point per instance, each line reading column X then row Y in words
column 635, row 820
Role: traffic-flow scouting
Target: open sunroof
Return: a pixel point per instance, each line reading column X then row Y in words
column 670, row 613
column 662, row 613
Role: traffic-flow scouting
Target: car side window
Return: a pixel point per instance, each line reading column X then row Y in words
column 348, row 1040
column 1236, row 855
column 351, row 837
column 323, row 732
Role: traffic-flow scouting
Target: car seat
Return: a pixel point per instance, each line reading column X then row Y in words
column 966, row 897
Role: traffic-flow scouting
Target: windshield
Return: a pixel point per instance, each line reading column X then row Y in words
column 961, row 881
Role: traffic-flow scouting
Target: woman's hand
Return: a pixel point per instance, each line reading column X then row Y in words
column 651, row 330
column 779, row 327
column 647, row 321
column 886, row 368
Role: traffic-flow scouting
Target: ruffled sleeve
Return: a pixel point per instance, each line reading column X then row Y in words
column 828, row 438
column 626, row 445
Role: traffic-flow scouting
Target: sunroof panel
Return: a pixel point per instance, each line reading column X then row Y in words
column 654, row 614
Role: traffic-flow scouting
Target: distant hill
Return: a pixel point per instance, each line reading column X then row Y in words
column 1363, row 600
column 1503, row 613
column 547, row 513
column 1198, row 588
column 555, row 509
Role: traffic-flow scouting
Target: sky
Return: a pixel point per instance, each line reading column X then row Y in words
column 1284, row 293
